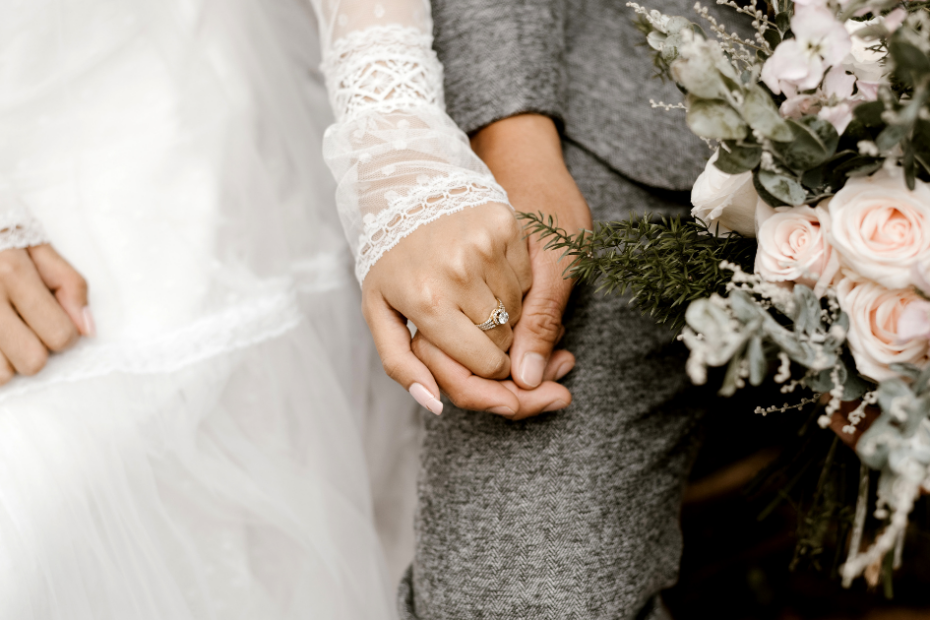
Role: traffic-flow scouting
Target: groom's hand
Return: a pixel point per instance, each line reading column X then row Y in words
column 525, row 155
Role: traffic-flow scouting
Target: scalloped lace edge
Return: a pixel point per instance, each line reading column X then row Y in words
column 246, row 324
column 427, row 202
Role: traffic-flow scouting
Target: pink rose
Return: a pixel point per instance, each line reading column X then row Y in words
column 880, row 229
column 793, row 248
column 874, row 316
column 914, row 322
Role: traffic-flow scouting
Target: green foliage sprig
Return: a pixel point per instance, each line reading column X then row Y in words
column 663, row 264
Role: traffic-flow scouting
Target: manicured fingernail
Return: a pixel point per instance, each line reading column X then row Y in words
column 531, row 372
column 555, row 405
column 504, row 411
column 425, row 398
column 90, row 328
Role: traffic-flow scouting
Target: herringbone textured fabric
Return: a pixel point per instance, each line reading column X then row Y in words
column 574, row 514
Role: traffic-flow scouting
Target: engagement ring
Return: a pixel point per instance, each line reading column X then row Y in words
column 498, row 316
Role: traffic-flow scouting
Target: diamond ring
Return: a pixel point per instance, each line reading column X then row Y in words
column 498, row 316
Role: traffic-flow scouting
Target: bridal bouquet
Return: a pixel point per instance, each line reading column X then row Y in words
column 808, row 260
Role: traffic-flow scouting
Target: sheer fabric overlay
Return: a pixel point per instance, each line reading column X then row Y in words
column 204, row 457
column 399, row 160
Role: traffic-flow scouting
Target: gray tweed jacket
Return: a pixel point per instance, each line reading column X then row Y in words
column 582, row 62
column 571, row 515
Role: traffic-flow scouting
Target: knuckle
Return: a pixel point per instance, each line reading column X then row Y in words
column 493, row 368
column 61, row 337
column 34, row 361
column 544, row 319
column 11, row 265
column 392, row 367
column 463, row 400
column 428, row 300
column 505, row 221
column 458, row 268
column 485, row 242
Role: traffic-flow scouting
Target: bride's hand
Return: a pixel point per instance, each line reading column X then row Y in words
column 445, row 278
column 43, row 307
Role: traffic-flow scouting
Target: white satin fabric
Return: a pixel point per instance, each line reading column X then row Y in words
column 204, row 456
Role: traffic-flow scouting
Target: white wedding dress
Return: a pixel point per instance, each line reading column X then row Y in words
column 204, row 457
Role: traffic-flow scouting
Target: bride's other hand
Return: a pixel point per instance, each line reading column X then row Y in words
column 43, row 307
column 446, row 278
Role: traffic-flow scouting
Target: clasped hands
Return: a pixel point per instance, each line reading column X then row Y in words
column 447, row 277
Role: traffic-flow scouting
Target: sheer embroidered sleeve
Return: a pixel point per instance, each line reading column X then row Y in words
column 399, row 160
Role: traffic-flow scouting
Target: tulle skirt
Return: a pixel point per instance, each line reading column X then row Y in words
column 205, row 455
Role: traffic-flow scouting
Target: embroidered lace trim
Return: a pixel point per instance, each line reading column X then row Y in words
column 240, row 326
column 382, row 68
column 430, row 199
column 19, row 229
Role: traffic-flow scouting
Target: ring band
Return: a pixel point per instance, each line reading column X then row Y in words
column 498, row 316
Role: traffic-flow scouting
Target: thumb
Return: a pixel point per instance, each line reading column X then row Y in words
column 537, row 333
column 68, row 286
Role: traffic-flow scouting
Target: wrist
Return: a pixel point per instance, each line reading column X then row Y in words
column 524, row 153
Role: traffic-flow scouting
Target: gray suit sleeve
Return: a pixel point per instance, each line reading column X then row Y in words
column 501, row 58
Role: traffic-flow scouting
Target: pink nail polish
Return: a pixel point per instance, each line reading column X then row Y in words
column 90, row 328
column 425, row 398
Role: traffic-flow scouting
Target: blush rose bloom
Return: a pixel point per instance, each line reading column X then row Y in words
column 874, row 316
column 725, row 200
column 879, row 228
column 793, row 247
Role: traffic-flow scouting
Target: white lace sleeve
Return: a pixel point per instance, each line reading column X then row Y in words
column 18, row 227
column 399, row 160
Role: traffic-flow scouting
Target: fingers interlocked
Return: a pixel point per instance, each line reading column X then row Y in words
column 446, row 279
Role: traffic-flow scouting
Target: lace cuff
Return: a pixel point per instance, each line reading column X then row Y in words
column 384, row 69
column 18, row 227
column 399, row 160
column 423, row 203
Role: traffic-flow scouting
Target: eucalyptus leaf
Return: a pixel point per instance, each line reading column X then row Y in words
column 656, row 40
column 806, row 310
column 758, row 364
column 670, row 47
column 858, row 165
column 764, row 194
column 735, row 159
column 716, row 120
column 760, row 112
column 891, row 136
column 911, row 64
column 783, row 21
column 731, row 378
column 814, row 142
column 784, row 188
column 870, row 113
column 772, row 37
column 676, row 24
